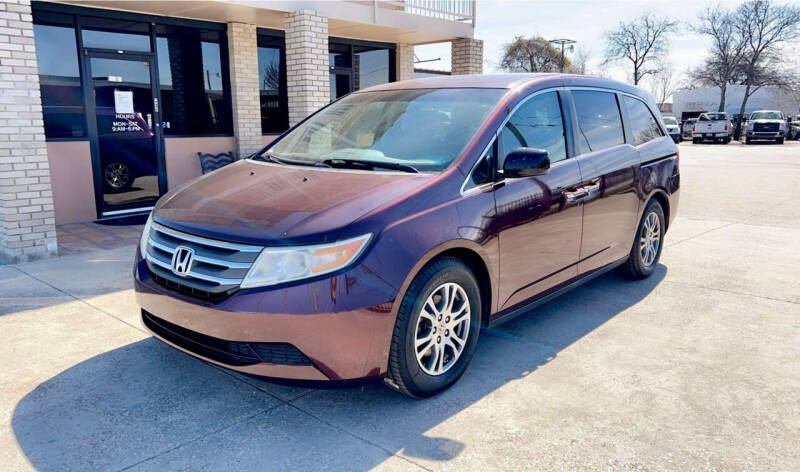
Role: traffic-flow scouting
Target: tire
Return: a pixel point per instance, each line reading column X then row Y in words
column 747, row 141
column 117, row 177
column 779, row 141
column 637, row 266
column 421, row 377
column 695, row 141
column 726, row 140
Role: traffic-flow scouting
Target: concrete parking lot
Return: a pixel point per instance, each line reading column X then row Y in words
column 696, row 368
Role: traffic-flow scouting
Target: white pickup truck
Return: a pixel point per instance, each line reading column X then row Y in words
column 766, row 124
column 712, row 126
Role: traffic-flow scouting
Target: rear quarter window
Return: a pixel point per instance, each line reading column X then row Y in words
column 644, row 126
column 599, row 120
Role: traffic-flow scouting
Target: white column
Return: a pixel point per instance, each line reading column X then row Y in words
column 307, row 71
column 246, row 102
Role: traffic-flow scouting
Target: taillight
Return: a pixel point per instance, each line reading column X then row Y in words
column 726, row 126
column 678, row 155
column 692, row 128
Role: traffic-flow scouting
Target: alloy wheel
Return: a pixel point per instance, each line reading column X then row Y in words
column 442, row 329
column 650, row 239
column 117, row 175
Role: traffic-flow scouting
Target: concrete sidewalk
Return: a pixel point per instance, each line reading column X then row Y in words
column 694, row 368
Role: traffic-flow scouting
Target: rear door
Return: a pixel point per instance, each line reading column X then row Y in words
column 538, row 222
column 608, row 165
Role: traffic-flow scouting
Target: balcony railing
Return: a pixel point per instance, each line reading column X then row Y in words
column 462, row 11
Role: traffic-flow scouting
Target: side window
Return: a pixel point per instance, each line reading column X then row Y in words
column 536, row 124
column 644, row 126
column 599, row 121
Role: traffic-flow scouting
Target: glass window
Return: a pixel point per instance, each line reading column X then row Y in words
column 643, row 124
column 482, row 173
column 766, row 115
column 371, row 67
column 375, row 126
column 192, row 81
column 536, row 124
column 599, row 122
column 123, row 35
column 59, row 81
column 271, row 84
column 339, row 55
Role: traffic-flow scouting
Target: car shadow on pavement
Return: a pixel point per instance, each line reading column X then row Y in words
column 148, row 406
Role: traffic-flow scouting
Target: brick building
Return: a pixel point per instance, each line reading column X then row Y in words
column 104, row 105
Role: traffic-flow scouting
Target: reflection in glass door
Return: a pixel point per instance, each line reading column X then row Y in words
column 126, row 141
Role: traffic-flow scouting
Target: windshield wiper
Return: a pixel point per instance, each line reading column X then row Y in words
column 356, row 163
column 267, row 157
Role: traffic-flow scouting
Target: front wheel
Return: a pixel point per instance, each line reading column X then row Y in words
column 647, row 244
column 437, row 329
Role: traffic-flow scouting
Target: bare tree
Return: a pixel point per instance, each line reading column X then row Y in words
column 662, row 84
column 764, row 27
column 580, row 61
column 724, row 64
column 534, row 54
column 642, row 41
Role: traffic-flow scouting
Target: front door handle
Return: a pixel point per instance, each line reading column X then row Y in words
column 576, row 196
column 592, row 190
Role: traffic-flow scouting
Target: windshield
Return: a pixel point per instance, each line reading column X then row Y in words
column 766, row 115
column 422, row 128
column 668, row 120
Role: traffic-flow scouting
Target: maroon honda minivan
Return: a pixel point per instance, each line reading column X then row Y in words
column 375, row 238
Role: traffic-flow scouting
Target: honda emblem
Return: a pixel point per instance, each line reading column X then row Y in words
column 182, row 260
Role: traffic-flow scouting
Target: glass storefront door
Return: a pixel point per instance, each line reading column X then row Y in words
column 125, row 136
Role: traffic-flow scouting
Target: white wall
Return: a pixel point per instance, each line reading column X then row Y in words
column 707, row 99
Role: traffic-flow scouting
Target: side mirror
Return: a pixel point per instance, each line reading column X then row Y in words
column 526, row 162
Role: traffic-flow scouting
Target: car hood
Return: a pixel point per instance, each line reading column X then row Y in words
column 258, row 203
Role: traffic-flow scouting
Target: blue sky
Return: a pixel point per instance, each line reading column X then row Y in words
column 584, row 21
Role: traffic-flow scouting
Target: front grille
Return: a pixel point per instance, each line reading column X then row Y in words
column 766, row 127
column 217, row 268
column 233, row 353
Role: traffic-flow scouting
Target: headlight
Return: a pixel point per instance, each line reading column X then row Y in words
column 277, row 265
column 145, row 236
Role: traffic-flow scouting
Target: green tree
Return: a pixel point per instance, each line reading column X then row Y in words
column 534, row 54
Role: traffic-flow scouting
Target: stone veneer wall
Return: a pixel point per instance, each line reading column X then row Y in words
column 307, row 71
column 27, row 220
column 466, row 56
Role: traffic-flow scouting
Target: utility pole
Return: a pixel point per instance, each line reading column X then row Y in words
column 563, row 42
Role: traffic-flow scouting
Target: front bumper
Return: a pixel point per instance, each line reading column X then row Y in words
column 764, row 134
column 341, row 325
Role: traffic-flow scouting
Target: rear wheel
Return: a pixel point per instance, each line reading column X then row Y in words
column 437, row 329
column 695, row 140
column 747, row 140
column 647, row 244
column 779, row 141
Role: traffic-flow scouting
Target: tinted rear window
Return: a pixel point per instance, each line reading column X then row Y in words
column 599, row 121
column 643, row 124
